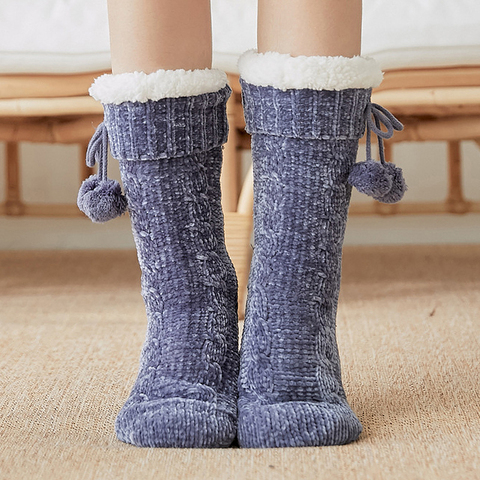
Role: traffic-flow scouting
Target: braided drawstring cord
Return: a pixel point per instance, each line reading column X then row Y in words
column 381, row 116
column 97, row 151
column 381, row 180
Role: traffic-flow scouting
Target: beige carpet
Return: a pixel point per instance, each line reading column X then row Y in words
column 71, row 328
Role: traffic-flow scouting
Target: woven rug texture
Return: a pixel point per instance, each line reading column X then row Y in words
column 71, row 328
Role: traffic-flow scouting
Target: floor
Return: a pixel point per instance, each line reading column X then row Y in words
column 72, row 326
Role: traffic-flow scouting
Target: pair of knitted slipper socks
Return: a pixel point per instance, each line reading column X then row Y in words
column 305, row 115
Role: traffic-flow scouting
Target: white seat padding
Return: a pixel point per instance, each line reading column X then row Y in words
column 71, row 36
column 421, row 33
column 53, row 36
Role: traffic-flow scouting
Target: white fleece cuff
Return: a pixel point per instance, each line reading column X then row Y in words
column 282, row 71
column 141, row 87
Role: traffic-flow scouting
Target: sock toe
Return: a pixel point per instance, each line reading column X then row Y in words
column 177, row 422
column 296, row 424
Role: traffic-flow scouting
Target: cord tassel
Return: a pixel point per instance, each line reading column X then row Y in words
column 381, row 180
column 99, row 197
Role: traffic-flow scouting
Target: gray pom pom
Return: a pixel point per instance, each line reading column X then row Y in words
column 101, row 200
column 399, row 187
column 383, row 182
column 370, row 177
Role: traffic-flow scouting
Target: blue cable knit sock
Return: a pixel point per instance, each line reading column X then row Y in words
column 170, row 154
column 304, row 143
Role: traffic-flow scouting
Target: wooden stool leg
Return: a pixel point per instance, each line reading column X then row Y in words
column 245, row 207
column 245, row 201
column 230, row 179
column 386, row 208
column 85, row 170
column 455, row 201
column 13, row 202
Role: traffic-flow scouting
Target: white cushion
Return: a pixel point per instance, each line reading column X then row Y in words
column 53, row 36
column 71, row 36
column 421, row 33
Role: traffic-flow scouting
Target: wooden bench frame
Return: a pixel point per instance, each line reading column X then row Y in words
column 435, row 104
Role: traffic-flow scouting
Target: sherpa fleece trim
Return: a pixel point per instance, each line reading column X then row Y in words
column 284, row 72
column 141, row 87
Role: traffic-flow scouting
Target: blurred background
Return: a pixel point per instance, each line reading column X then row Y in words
column 69, row 37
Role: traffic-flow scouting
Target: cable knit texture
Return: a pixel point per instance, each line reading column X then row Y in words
column 304, row 144
column 170, row 154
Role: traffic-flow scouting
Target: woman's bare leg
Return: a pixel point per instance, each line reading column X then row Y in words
column 310, row 27
column 148, row 35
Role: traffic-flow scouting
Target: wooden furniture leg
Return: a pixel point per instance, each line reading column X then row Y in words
column 455, row 201
column 231, row 169
column 245, row 208
column 13, row 201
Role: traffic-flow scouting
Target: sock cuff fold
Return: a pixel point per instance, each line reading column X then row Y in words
column 142, row 87
column 285, row 72
column 305, row 113
column 168, row 127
